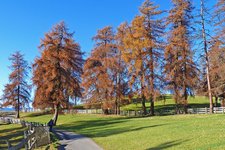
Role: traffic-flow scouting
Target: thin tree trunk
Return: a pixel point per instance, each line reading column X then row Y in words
column 143, row 105
column 176, row 91
column 118, row 109
column 117, row 94
column 185, row 100
column 119, row 86
column 152, row 113
column 75, row 101
column 176, row 98
column 206, row 56
column 152, row 110
column 216, row 101
column 116, row 106
column 143, row 96
column 55, row 117
column 185, row 94
column 18, row 103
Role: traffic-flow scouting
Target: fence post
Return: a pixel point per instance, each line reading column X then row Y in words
column 206, row 110
column 223, row 109
column 8, row 144
column 26, row 143
column 35, row 135
column 49, row 139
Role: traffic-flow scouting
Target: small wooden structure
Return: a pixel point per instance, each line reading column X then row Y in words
column 37, row 134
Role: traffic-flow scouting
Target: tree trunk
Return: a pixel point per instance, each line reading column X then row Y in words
column 118, row 109
column 116, row 106
column 18, row 103
column 152, row 88
column 143, row 105
column 18, row 112
column 216, row 101
column 143, row 96
column 55, row 117
column 185, row 96
column 209, row 91
column 152, row 110
column 206, row 56
column 75, row 101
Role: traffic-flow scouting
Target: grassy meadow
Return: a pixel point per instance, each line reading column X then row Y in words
column 186, row 132
column 200, row 132
column 169, row 104
column 13, row 132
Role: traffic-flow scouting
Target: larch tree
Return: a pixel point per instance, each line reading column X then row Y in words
column 135, row 56
column 57, row 73
column 217, row 51
column 122, row 89
column 143, row 51
column 98, row 74
column 181, row 71
column 154, row 31
column 217, row 66
column 17, row 91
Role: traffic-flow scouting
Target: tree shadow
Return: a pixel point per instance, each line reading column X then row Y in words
column 104, row 127
column 96, row 128
column 36, row 114
column 11, row 130
column 169, row 109
column 9, row 134
column 166, row 145
column 202, row 105
column 1, row 124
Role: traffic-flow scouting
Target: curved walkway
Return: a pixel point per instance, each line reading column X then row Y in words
column 73, row 141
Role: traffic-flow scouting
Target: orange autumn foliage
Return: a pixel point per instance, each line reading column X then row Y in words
column 57, row 73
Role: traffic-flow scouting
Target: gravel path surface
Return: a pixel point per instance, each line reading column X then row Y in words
column 73, row 141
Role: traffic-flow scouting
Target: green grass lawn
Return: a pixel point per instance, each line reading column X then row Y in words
column 12, row 132
column 197, row 132
column 169, row 104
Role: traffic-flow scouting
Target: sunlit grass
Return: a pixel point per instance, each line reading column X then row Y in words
column 197, row 101
column 11, row 132
column 166, row 132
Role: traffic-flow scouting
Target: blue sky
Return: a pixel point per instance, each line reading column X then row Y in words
column 24, row 22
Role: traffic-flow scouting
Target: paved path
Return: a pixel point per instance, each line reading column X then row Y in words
column 73, row 141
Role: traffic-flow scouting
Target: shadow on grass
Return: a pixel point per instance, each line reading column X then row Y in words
column 14, row 132
column 172, row 106
column 104, row 127
column 169, row 109
column 10, row 130
column 166, row 145
column 203, row 105
column 36, row 114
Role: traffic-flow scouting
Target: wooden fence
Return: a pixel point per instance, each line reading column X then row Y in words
column 83, row 111
column 37, row 134
column 131, row 113
column 216, row 110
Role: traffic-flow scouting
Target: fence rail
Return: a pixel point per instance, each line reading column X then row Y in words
column 37, row 134
column 217, row 110
column 84, row 111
